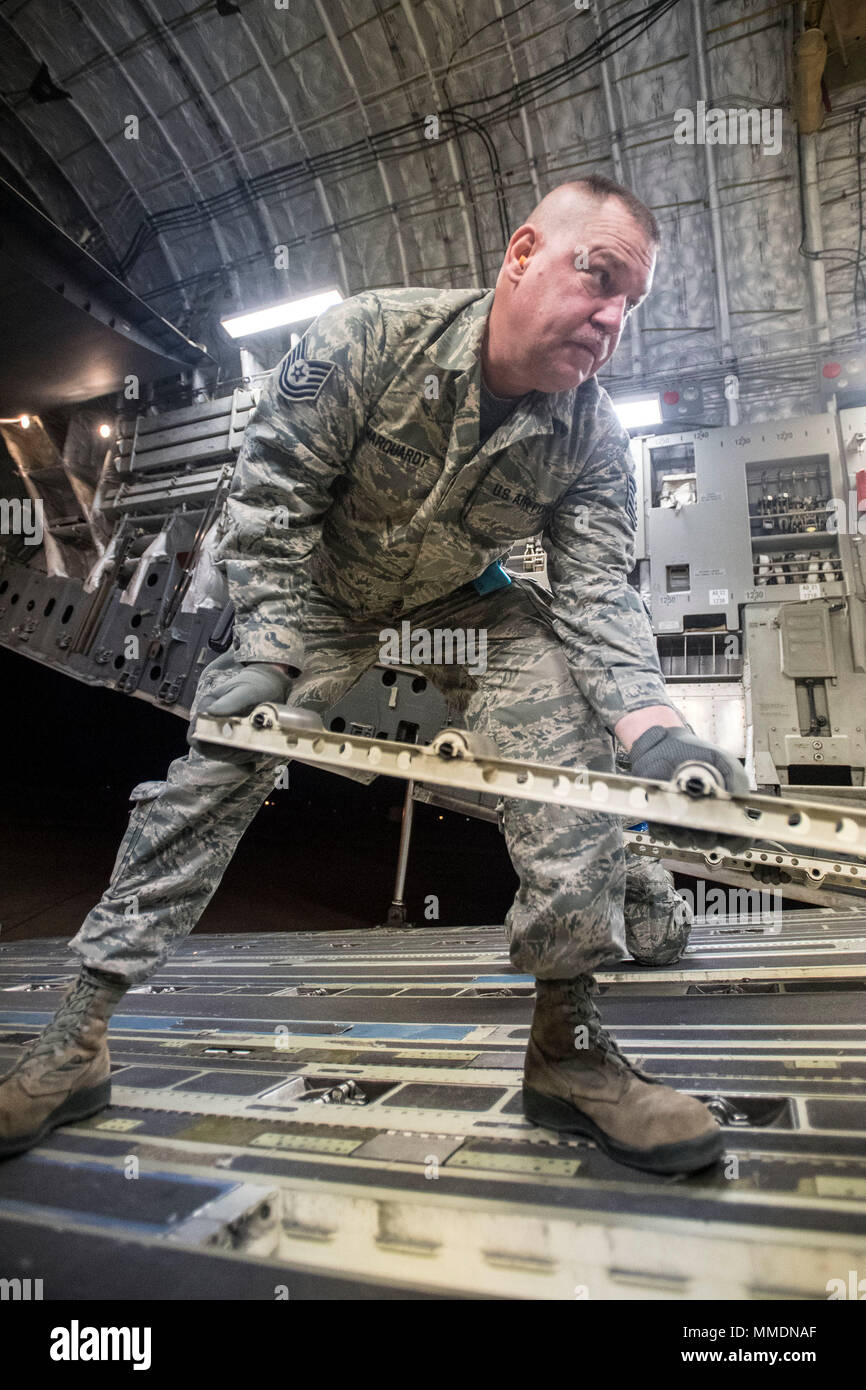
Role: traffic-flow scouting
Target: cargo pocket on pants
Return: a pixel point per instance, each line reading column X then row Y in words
column 144, row 796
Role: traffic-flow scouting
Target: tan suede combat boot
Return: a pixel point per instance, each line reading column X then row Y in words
column 577, row 1081
column 63, row 1075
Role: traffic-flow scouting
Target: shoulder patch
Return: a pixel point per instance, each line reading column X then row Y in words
column 300, row 378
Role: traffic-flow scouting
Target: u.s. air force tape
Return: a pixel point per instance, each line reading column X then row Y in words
column 300, row 378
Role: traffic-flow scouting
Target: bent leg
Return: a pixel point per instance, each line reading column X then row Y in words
column 567, row 918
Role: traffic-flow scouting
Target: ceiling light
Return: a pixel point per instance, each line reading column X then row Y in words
column 105, row 431
column 289, row 311
column 638, row 411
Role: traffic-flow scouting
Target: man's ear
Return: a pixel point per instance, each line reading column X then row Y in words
column 520, row 249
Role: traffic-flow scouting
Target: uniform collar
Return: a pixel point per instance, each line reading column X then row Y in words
column 458, row 349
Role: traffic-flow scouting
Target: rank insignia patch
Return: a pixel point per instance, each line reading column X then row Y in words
column 300, row 379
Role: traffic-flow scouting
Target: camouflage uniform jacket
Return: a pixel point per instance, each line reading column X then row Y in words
column 360, row 476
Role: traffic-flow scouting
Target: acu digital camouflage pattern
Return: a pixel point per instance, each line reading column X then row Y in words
column 361, row 496
column 567, row 917
column 368, row 481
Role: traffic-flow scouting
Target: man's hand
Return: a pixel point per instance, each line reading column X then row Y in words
column 631, row 726
column 256, row 683
column 660, row 752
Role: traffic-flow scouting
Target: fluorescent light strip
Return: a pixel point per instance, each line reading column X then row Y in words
column 646, row 410
column 290, row 311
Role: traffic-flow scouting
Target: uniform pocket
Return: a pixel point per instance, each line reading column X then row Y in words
column 396, row 476
column 497, row 513
column 510, row 502
column 144, row 796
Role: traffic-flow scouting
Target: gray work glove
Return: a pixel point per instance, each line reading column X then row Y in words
column 256, row 683
column 660, row 752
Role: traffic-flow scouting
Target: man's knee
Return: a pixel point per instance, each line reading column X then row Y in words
column 658, row 920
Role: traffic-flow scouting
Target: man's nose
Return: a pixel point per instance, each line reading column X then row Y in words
column 610, row 315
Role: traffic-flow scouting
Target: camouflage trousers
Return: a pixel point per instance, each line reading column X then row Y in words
column 567, row 916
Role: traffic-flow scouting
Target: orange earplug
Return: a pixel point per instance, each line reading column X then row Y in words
column 521, row 260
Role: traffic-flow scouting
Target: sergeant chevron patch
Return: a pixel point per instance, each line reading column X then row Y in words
column 300, row 379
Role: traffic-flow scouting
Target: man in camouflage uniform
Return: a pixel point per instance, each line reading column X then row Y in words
column 396, row 455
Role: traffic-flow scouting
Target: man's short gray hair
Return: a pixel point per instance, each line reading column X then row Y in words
column 600, row 187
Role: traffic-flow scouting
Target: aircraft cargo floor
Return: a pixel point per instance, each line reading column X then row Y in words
column 337, row 1115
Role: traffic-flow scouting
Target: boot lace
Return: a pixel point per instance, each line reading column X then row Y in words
column 585, row 1012
column 67, row 1022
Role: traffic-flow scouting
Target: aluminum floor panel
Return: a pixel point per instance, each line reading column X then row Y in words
column 425, row 1180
